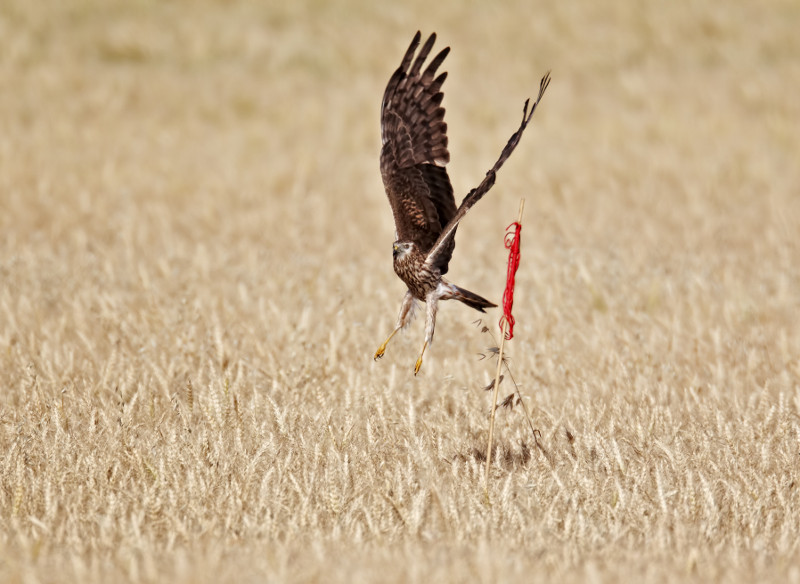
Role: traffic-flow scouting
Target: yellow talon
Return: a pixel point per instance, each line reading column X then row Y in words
column 382, row 348
column 419, row 359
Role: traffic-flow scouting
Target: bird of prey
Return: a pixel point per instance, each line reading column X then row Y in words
column 413, row 159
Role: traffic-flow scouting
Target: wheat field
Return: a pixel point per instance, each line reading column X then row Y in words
column 195, row 271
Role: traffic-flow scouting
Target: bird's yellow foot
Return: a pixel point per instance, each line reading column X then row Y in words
column 419, row 359
column 382, row 348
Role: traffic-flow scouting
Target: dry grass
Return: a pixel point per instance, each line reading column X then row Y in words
column 195, row 271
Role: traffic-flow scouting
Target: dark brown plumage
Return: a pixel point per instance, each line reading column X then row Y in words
column 413, row 159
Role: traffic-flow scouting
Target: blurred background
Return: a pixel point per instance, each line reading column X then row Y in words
column 167, row 159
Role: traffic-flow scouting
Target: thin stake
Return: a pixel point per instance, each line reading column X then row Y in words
column 497, row 385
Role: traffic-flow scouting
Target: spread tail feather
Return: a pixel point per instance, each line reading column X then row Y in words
column 471, row 299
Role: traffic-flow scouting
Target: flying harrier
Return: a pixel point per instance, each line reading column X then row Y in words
column 413, row 159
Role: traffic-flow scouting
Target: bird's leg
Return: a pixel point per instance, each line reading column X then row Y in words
column 419, row 359
column 382, row 349
column 431, row 302
column 406, row 313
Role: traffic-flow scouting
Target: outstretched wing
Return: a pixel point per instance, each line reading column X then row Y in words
column 439, row 251
column 414, row 152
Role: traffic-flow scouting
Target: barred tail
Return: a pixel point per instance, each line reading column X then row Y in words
column 471, row 299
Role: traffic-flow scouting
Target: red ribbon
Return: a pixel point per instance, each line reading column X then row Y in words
column 512, row 245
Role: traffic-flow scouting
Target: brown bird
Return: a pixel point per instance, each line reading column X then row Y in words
column 413, row 159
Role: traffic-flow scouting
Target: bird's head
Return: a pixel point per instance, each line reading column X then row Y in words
column 400, row 249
